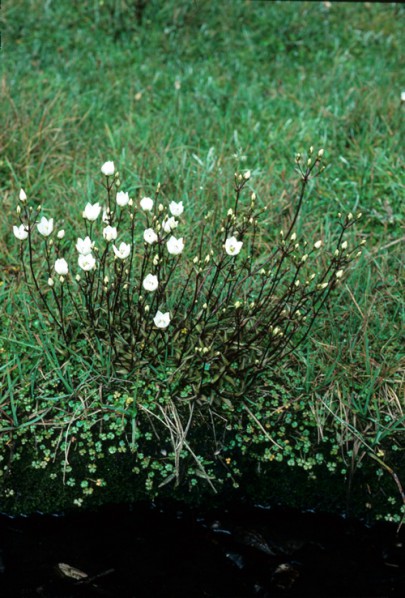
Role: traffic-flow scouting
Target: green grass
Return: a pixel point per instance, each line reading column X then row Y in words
column 195, row 92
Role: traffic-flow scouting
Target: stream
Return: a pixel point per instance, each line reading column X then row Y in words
column 172, row 550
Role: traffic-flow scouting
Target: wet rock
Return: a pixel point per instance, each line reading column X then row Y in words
column 254, row 539
column 285, row 576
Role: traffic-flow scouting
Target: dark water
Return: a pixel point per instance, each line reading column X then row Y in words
column 173, row 551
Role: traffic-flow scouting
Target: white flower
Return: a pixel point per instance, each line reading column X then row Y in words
column 20, row 232
column 161, row 320
column 233, row 246
column 150, row 236
column 110, row 233
column 108, row 168
column 91, row 212
column 175, row 246
column 146, row 204
column 150, row 282
column 123, row 251
column 45, row 226
column 246, row 176
column 176, row 209
column 402, row 96
column 23, row 195
column 169, row 224
column 61, row 267
column 106, row 217
column 122, row 198
column 86, row 262
column 84, row 246
column 61, row 234
column 318, row 244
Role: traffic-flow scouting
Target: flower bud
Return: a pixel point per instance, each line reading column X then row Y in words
column 344, row 245
column 246, row 176
column 339, row 274
column 23, row 195
column 318, row 244
column 321, row 152
column 350, row 216
column 50, row 282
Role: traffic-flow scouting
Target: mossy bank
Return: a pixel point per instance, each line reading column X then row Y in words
column 267, row 449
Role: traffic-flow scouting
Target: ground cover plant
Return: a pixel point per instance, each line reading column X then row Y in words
column 184, row 96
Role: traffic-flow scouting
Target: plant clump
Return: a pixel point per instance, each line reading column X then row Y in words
column 214, row 313
column 182, row 325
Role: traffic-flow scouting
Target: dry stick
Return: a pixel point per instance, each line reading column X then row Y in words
column 260, row 426
column 372, row 455
column 377, row 249
column 171, row 427
column 396, row 480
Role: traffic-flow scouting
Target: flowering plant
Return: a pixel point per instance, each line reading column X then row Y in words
column 207, row 316
column 220, row 314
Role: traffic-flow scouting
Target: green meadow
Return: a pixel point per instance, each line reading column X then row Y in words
column 186, row 93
